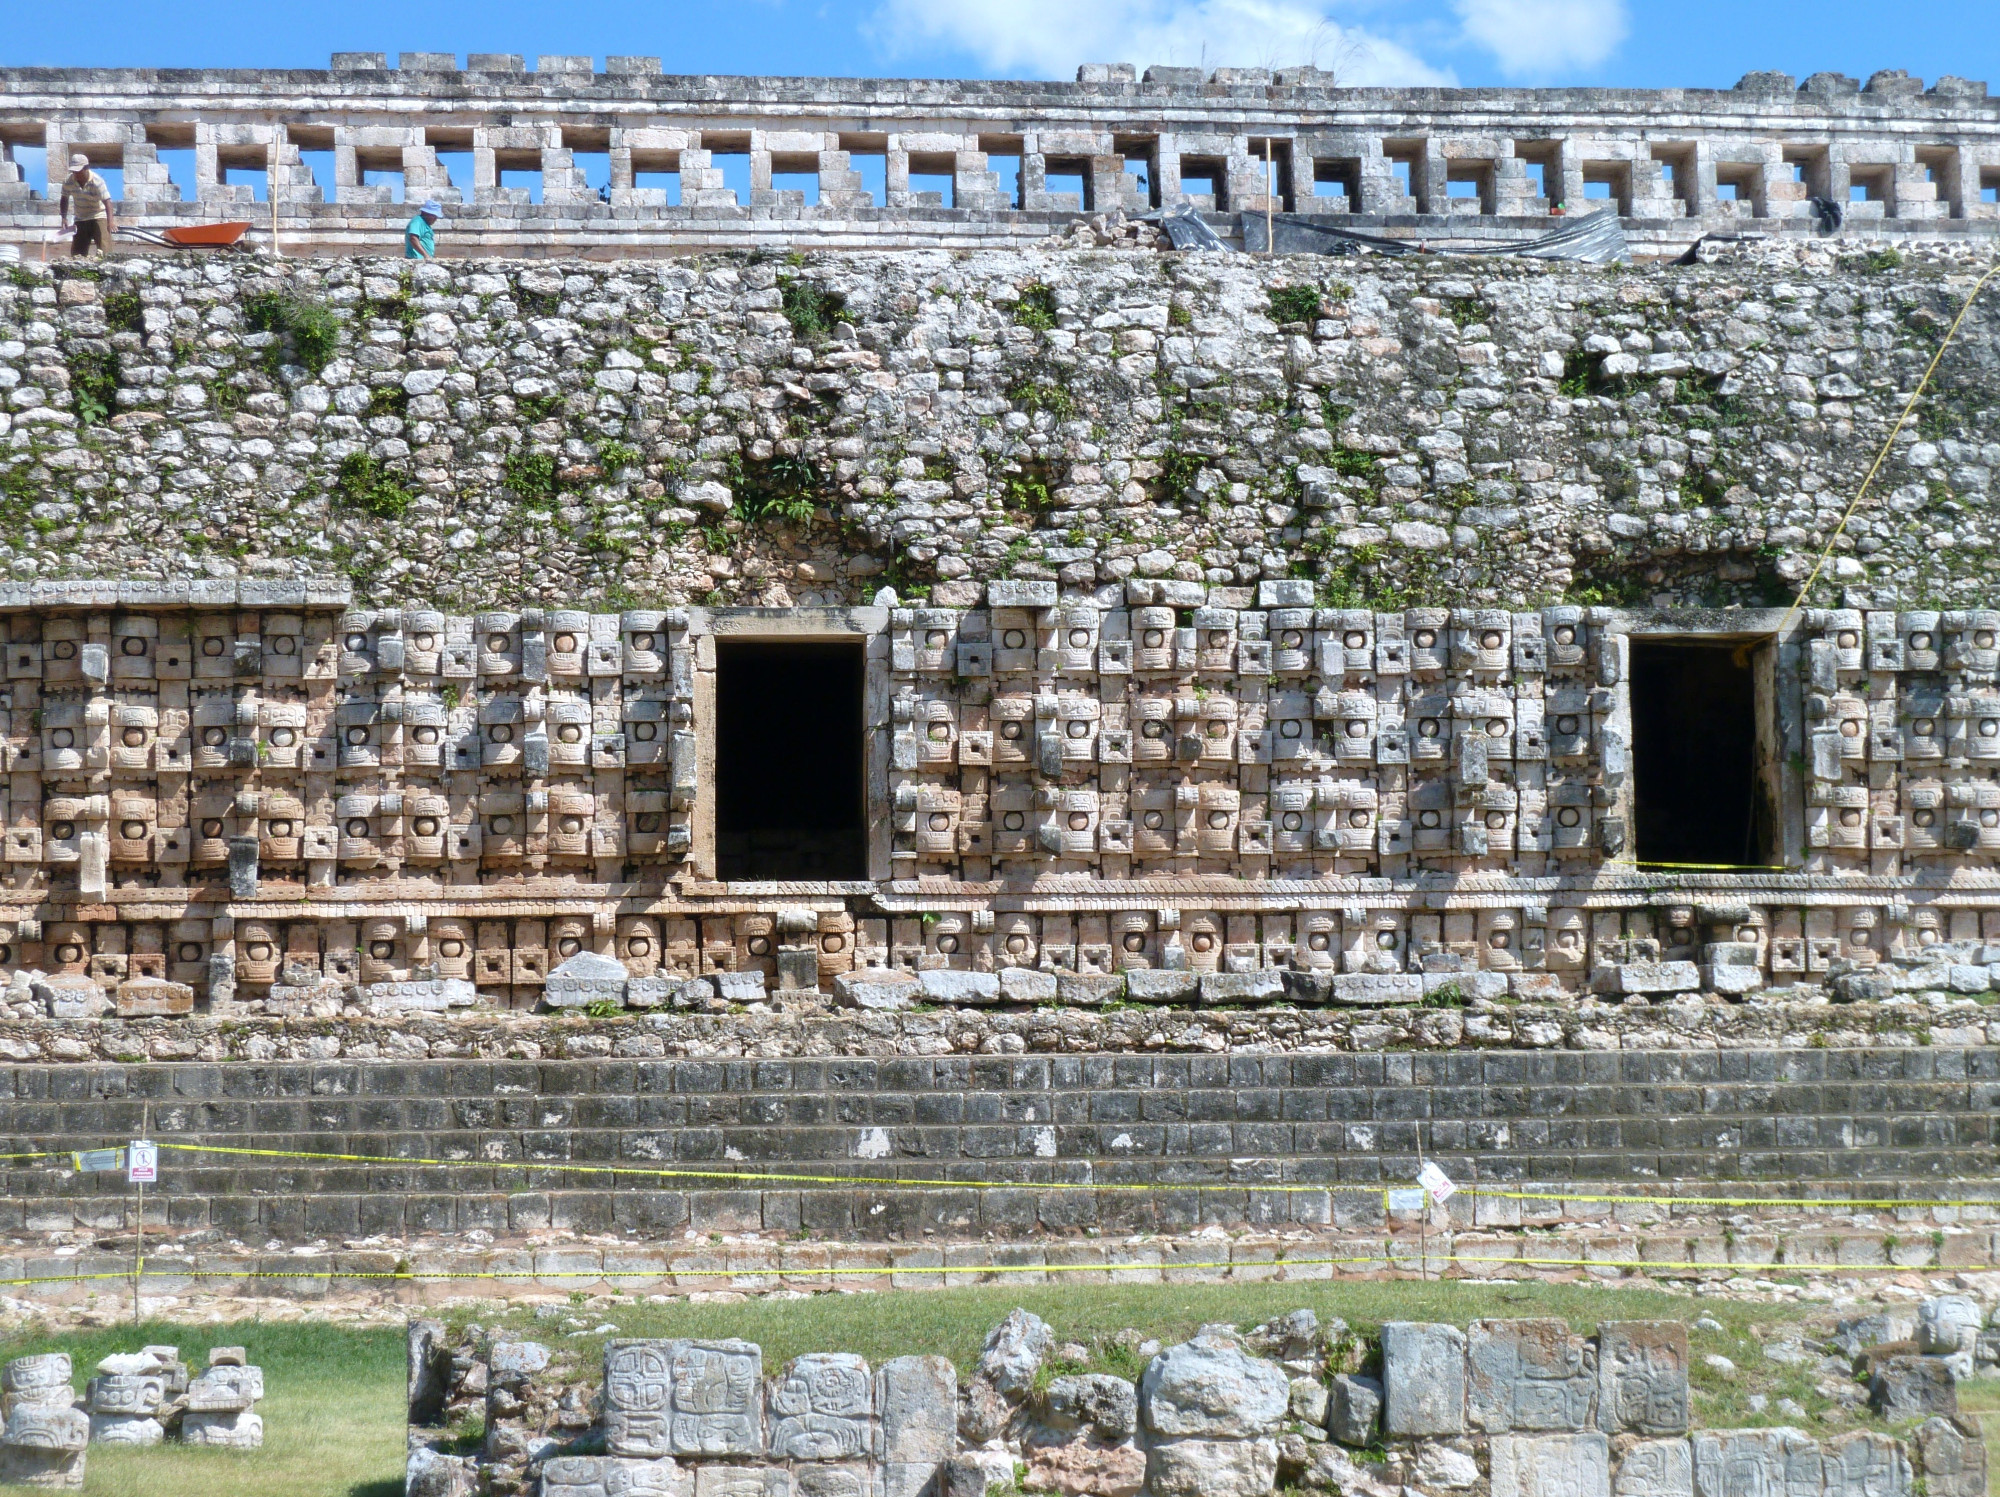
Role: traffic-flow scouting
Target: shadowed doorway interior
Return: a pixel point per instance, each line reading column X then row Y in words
column 788, row 761
column 1694, row 756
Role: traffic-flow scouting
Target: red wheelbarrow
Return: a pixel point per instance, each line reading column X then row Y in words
column 194, row 236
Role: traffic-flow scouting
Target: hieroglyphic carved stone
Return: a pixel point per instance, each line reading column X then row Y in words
column 1642, row 1377
column 1656, row 1468
column 1757, row 1463
column 1527, row 1375
column 1555, row 1465
column 1423, row 1379
column 822, row 1409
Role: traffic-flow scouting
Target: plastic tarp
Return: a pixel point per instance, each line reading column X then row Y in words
column 1597, row 239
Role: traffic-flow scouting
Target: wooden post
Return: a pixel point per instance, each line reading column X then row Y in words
column 139, row 1236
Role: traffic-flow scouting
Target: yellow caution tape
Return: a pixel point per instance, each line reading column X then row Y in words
column 800, row 1177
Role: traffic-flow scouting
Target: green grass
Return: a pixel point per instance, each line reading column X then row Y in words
column 1979, row 1401
column 333, row 1412
column 954, row 1322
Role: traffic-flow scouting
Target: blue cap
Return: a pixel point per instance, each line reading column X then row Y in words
column 434, row 208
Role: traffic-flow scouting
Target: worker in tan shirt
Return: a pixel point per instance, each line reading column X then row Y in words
column 95, row 223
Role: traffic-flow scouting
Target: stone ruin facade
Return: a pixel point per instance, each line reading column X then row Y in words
column 252, row 799
column 138, row 1398
column 1503, row 1408
column 981, row 164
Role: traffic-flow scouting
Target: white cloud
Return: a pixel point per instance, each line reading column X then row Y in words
column 1540, row 37
column 1048, row 38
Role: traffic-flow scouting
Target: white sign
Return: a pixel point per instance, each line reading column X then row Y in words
column 143, row 1163
column 1437, row 1182
column 1406, row 1200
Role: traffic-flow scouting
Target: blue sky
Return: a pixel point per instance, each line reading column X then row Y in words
column 1645, row 43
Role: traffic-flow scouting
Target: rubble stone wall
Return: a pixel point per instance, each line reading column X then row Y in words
column 1502, row 1408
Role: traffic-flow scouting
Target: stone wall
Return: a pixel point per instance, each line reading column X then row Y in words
column 1452, row 433
column 1118, row 1144
column 982, row 163
column 1503, row 1408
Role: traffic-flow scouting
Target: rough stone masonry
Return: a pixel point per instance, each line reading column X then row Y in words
column 1248, row 653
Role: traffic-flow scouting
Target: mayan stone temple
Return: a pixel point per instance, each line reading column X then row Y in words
column 892, row 679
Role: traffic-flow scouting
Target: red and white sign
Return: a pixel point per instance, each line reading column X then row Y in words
column 142, row 1163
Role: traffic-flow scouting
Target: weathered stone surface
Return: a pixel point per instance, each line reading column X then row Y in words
column 822, row 1409
column 1947, row 1323
column 586, row 978
column 945, row 985
column 1085, row 1468
column 1656, row 1468
column 1443, row 1467
column 917, row 1398
column 1776, row 1462
column 1291, row 1336
column 1423, row 1378
column 1354, row 1409
column 1106, row 1406
column 1212, row 1468
column 1150, row 986
column 1310, row 1400
column 674, row 1398
column 1527, row 1375
column 1642, row 1377
column 1555, row 1465
column 1862, row 1463
column 1909, row 1387
column 236, row 1429
column 1026, row 985
column 1210, row 1389
column 1857, row 1333
column 430, row 1474
column 43, row 1379
column 743, row 1481
column 1952, row 1456
column 877, row 988
column 1014, row 1352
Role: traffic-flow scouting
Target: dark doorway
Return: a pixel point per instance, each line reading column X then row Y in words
column 1694, row 755
column 788, row 753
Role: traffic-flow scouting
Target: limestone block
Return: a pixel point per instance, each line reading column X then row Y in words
column 944, row 985
column 822, row 1409
column 1912, row 1388
column 742, row 1481
column 1089, row 989
column 1014, row 1352
column 1210, row 1389
column 876, row 988
column 683, row 1398
column 1151, row 985
column 1655, row 977
column 126, row 1429
column 221, row 1390
column 153, row 998
column 1778, row 1462
column 586, row 978
column 426, row 1473
column 1084, row 1468
column 1375, row 989
column 1026, row 985
column 44, row 1447
column 1642, row 1377
column 1354, row 1409
column 38, row 1380
column 1265, row 986
column 238, row 1429
column 1212, row 1468
column 849, row 1479
column 1656, row 1468
column 1565, row 1465
column 1106, row 1406
column 614, row 1476
column 917, row 1400
column 1527, row 1375
column 1864, row 1464
column 1423, row 1379
column 739, row 987
column 1947, row 1323
column 1440, row 1467
column 71, row 996
column 1953, row 1457
column 1310, row 1400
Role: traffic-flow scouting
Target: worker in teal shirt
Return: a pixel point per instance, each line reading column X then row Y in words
column 418, row 241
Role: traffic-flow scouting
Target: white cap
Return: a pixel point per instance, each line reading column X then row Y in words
column 79, row 163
